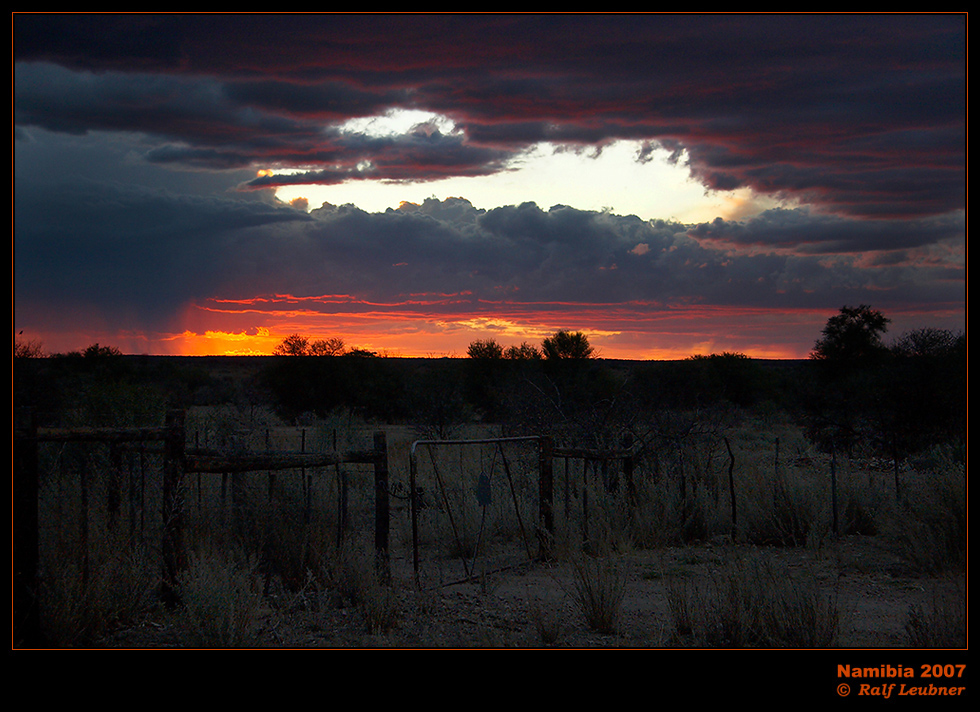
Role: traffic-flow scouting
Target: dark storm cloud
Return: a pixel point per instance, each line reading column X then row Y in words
column 131, row 249
column 863, row 114
column 201, row 123
column 194, row 112
column 330, row 100
column 528, row 254
column 423, row 153
column 805, row 232
column 156, row 250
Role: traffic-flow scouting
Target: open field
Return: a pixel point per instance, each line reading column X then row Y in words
column 823, row 550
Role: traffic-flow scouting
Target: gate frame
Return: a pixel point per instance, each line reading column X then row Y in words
column 545, row 529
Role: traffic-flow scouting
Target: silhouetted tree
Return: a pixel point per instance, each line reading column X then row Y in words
column 853, row 334
column 299, row 345
column 362, row 353
column 438, row 400
column 333, row 346
column 356, row 381
column 838, row 403
column 928, row 342
column 485, row 348
column 292, row 345
column 728, row 376
column 567, row 345
column 97, row 351
column 923, row 398
column 31, row 348
column 525, row 351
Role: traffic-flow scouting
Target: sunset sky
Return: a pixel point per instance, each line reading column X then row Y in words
column 668, row 184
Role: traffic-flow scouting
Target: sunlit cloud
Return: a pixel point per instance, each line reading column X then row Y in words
column 614, row 180
column 222, row 343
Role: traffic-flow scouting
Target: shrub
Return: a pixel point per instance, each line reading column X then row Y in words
column 546, row 622
column 485, row 348
column 81, row 608
column 941, row 625
column 567, row 345
column 221, row 599
column 358, row 583
column 930, row 526
column 751, row 604
column 598, row 589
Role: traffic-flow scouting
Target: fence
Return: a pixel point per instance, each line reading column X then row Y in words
column 177, row 461
column 544, row 530
column 543, row 526
column 602, row 463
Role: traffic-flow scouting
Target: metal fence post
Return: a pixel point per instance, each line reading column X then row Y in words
column 381, row 523
column 546, row 492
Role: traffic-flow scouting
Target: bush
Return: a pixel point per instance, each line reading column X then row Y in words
column 941, row 625
column 81, row 608
column 357, row 583
column 598, row 588
column 931, row 526
column 752, row 604
column 221, row 598
column 567, row 345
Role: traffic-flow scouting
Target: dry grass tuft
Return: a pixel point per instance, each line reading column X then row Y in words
column 940, row 625
column 221, row 596
column 598, row 588
column 752, row 604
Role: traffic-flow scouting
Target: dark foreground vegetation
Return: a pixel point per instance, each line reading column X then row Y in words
column 893, row 404
column 898, row 414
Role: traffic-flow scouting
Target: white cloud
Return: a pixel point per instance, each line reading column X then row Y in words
column 613, row 180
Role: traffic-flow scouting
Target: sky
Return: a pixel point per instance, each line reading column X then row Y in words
column 668, row 184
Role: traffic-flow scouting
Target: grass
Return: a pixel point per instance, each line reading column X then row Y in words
column 752, row 603
column 221, row 594
column 941, row 624
column 747, row 603
column 80, row 607
column 930, row 525
column 357, row 583
column 547, row 623
column 598, row 588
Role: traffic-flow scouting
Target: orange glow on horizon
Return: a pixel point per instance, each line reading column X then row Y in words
column 222, row 343
column 435, row 325
column 408, row 334
column 214, row 343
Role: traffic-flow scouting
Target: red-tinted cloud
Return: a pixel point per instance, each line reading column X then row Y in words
column 864, row 115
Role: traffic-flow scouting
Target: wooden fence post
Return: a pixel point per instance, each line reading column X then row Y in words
column 173, row 524
column 546, row 487
column 381, row 504
column 27, row 622
column 342, row 503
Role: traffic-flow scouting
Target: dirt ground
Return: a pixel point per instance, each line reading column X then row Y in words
column 533, row 606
